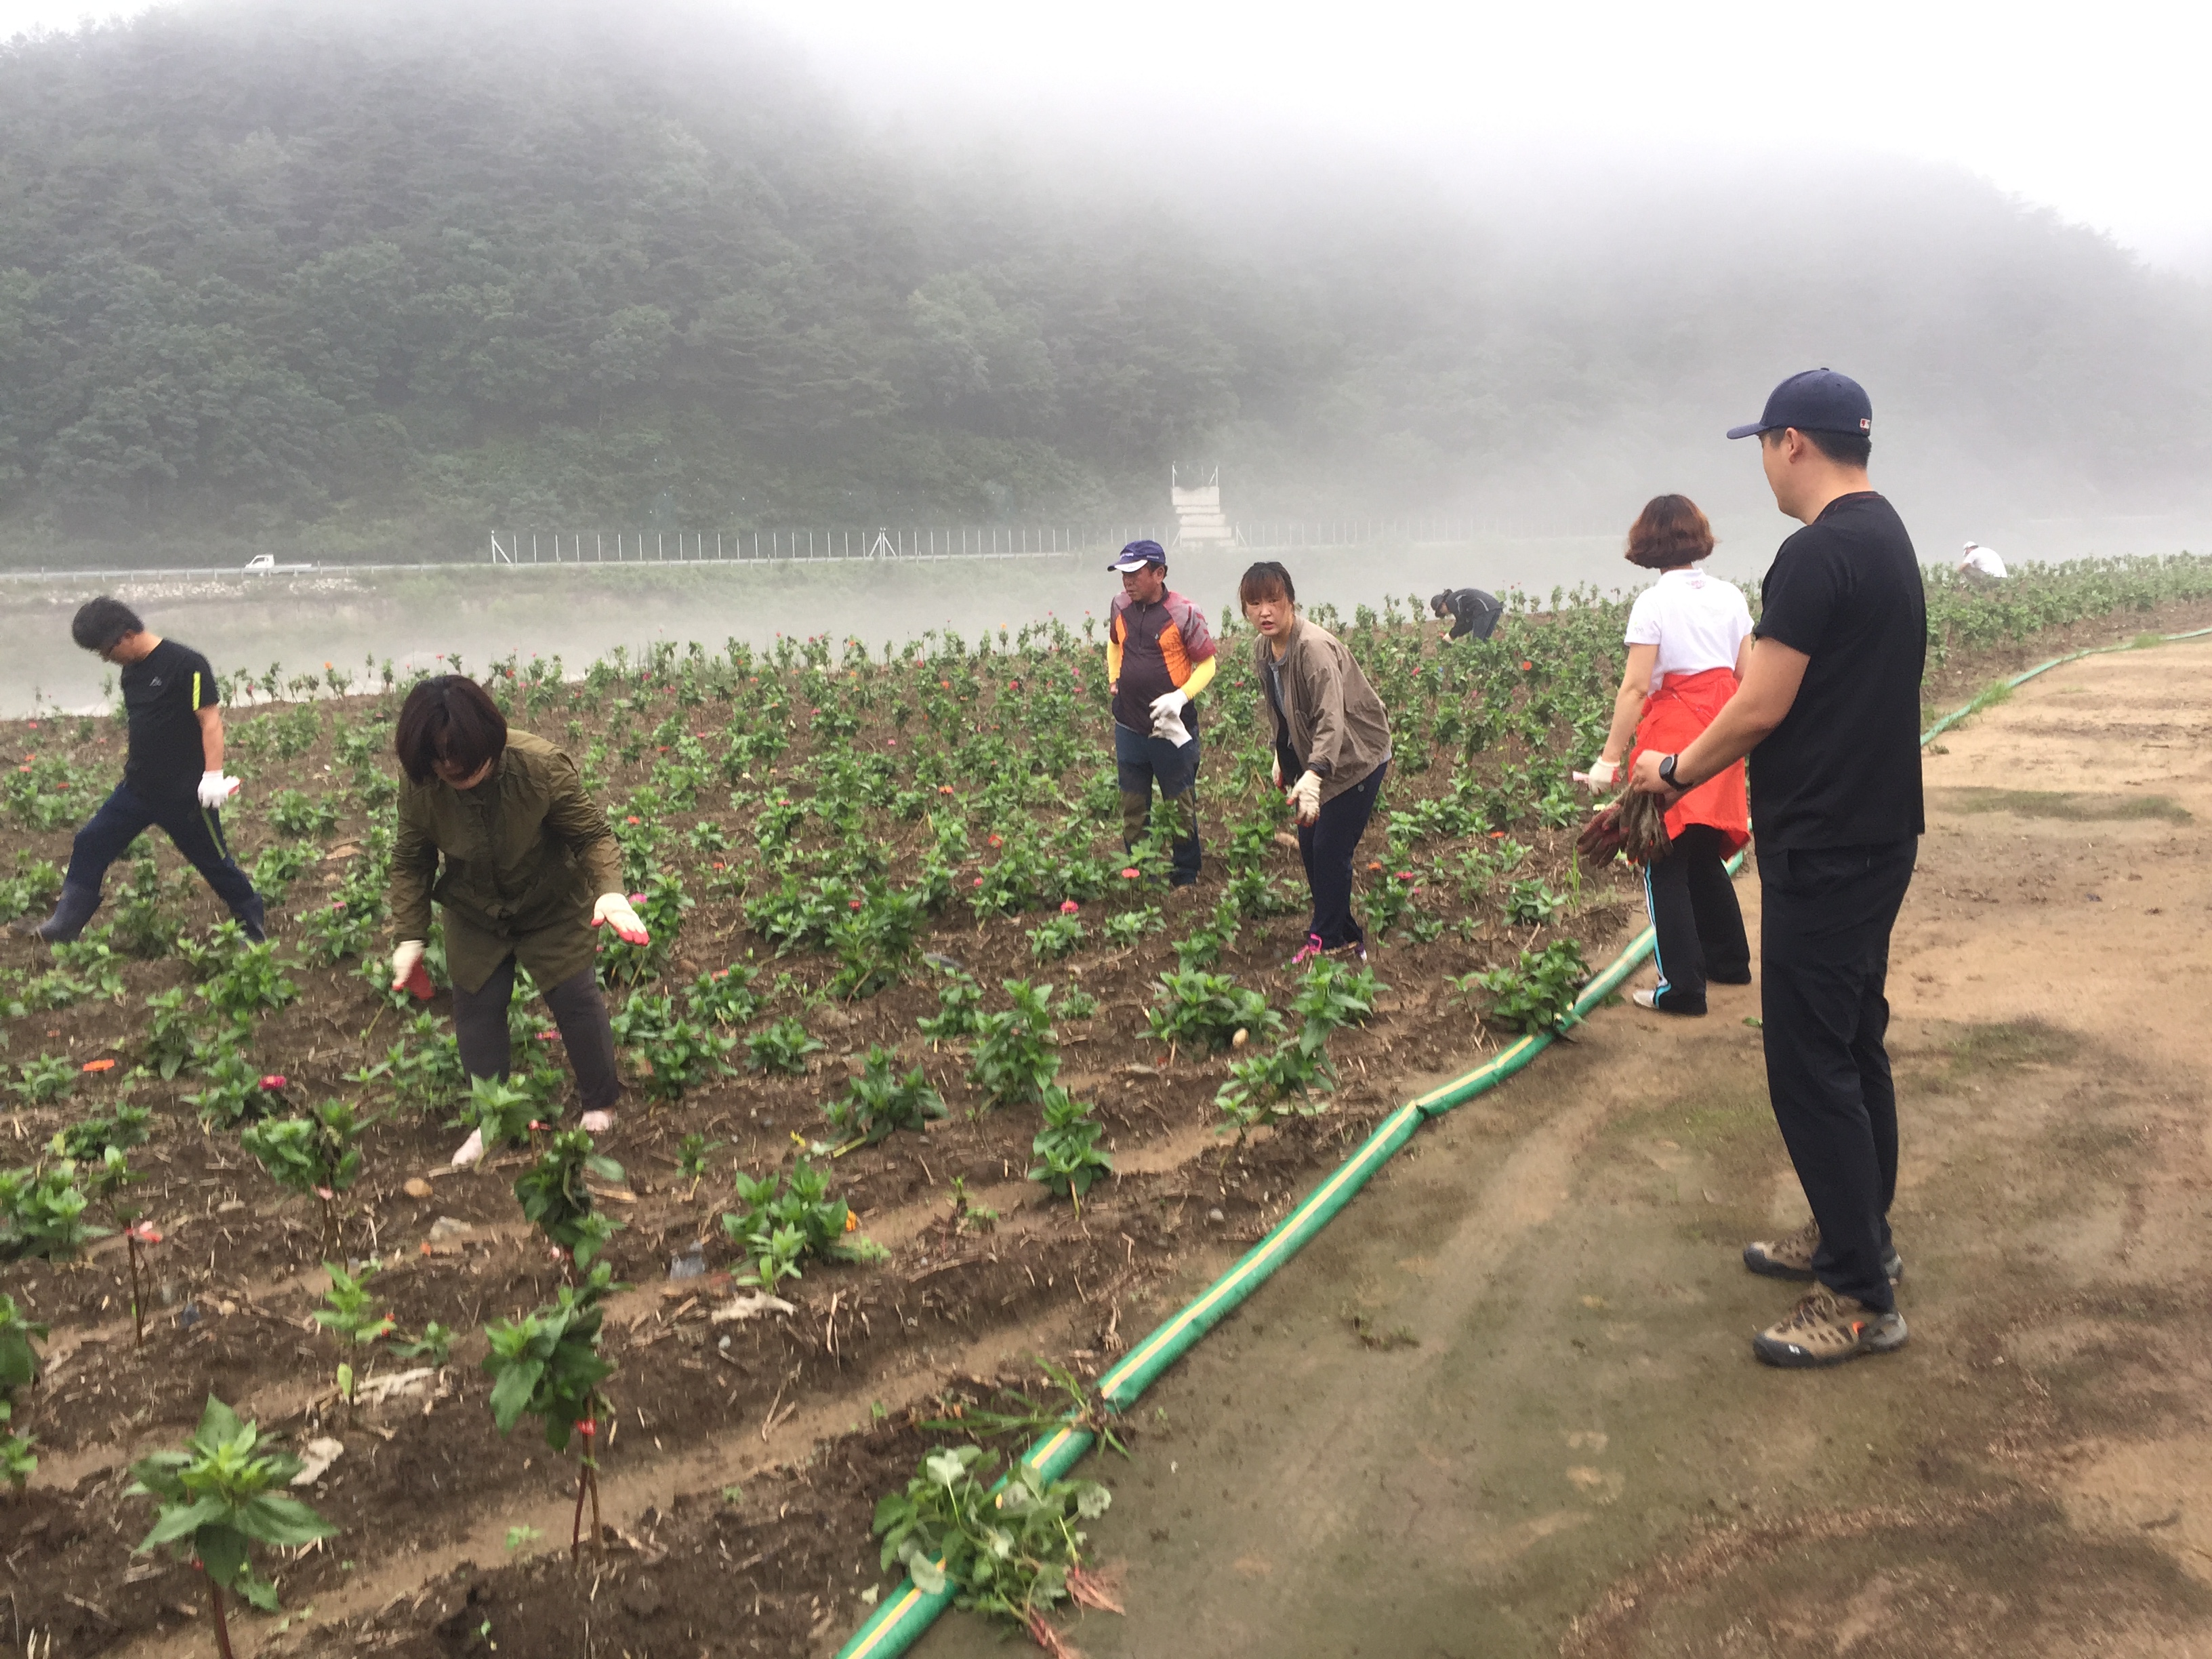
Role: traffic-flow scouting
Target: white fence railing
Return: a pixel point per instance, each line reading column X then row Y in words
column 971, row 541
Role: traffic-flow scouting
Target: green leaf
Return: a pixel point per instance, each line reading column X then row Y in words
column 929, row 1575
column 287, row 1521
column 222, row 1552
column 510, row 1396
column 181, row 1521
column 219, row 1424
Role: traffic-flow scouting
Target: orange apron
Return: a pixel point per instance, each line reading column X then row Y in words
column 1674, row 716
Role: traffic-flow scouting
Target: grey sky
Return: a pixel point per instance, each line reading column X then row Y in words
column 2095, row 112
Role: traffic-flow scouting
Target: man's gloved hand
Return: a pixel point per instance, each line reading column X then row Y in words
column 613, row 910
column 215, row 789
column 1167, row 717
column 1305, row 798
column 1275, row 766
column 408, row 973
column 1601, row 775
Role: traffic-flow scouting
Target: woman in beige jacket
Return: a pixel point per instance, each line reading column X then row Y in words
column 1331, row 735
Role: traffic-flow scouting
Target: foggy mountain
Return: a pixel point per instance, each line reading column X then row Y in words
column 355, row 273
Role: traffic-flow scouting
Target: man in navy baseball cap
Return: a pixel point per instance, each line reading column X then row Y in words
column 1819, row 400
column 1829, row 712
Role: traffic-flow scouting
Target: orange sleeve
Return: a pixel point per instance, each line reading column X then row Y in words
column 1171, row 649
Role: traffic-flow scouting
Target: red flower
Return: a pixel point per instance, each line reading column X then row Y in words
column 143, row 1231
column 855, row 904
column 274, row 1081
column 632, row 818
column 993, row 840
column 1526, row 663
column 979, row 881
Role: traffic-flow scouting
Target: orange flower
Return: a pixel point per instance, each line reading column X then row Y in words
column 97, row 1065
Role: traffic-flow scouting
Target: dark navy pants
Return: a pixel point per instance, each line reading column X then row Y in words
column 1141, row 760
column 1327, row 846
column 1825, row 918
column 122, row 818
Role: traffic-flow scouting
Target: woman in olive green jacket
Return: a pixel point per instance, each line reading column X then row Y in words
column 1330, row 733
column 530, row 869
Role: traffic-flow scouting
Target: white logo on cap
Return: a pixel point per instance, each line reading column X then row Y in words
column 1865, row 424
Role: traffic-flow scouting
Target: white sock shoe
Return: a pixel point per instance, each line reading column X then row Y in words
column 471, row 1151
column 597, row 1123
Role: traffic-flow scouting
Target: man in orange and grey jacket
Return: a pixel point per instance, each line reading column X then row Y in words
column 1160, row 655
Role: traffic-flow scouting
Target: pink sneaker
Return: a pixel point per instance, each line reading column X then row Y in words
column 1308, row 951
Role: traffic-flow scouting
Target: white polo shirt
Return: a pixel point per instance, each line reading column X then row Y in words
column 1697, row 622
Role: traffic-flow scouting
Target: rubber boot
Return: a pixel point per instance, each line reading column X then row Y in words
column 1136, row 817
column 71, row 915
column 250, row 918
column 1187, row 850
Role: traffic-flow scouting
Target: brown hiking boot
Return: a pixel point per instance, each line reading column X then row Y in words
column 1827, row 1329
column 1791, row 1255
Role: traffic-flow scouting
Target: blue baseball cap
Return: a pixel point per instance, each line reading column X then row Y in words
column 1137, row 554
column 1819, row 400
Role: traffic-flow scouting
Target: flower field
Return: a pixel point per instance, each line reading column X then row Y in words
column 921, row 1060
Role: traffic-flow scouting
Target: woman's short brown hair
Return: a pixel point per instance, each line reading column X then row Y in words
column 1264, row 581
column 449, row 718
column 1671, row 532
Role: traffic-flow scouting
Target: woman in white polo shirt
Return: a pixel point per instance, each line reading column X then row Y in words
column 1689, row 635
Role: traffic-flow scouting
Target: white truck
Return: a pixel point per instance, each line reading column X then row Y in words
column 264, row 564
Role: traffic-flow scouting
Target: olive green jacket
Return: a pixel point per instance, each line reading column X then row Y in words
column 1338, row 727
column 526, row 853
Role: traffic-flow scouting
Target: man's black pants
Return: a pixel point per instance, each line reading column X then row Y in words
column 580, row 1012
column 1698, row 924
column 1823, row 962
column 122, row 818
column 1327, row 846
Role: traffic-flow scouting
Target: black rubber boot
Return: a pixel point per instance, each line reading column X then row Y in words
column 71, row 915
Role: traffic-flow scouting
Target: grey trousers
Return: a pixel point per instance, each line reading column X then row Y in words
column 578, row 1009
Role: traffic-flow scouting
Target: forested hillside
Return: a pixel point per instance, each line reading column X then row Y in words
column 365, row 271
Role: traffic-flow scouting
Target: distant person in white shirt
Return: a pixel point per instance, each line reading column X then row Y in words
column 1689, row 642
column 1981, row 565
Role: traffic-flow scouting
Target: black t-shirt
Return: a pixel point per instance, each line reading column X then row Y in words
column 1842, row 769
column 162, row 692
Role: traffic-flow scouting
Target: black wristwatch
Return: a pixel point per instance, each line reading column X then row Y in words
column 1666, row 773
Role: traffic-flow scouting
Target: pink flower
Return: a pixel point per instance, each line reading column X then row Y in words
column 637, row 898
column 1130, row 874
column 273, row 1082
column 1068, row 906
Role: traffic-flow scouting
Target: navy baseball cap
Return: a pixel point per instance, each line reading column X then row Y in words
column 1137, row 554
column 1819, row 400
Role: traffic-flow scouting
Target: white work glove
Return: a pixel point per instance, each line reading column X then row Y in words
column 1275, row 766
column 406, row 962
column 1601, row 775
column 613, row 911
column 1167, row 717
column 1305, row 798
column 215, row 789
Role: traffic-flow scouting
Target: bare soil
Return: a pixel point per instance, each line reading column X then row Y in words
column 1341, row 1419
column 1507, row 1404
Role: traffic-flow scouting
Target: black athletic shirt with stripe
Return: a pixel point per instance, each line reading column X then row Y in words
column 162, row 693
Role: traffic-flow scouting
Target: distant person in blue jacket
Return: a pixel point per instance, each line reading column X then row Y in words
column 1472, row 610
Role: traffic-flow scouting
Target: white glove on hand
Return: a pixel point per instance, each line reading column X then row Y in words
column 1601, row 775
column 1167, row 717
column 405, row 961
column 1305, row 798
column 215, row 789
column 1276, row 767
column 613, row 911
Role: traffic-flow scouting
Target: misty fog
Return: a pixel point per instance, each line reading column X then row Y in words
column 366, row 282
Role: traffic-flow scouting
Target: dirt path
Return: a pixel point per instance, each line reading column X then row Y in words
column 1507, row 1404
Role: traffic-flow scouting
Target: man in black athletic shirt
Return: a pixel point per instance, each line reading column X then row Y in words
column 1829, row 713
column 173, row 775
